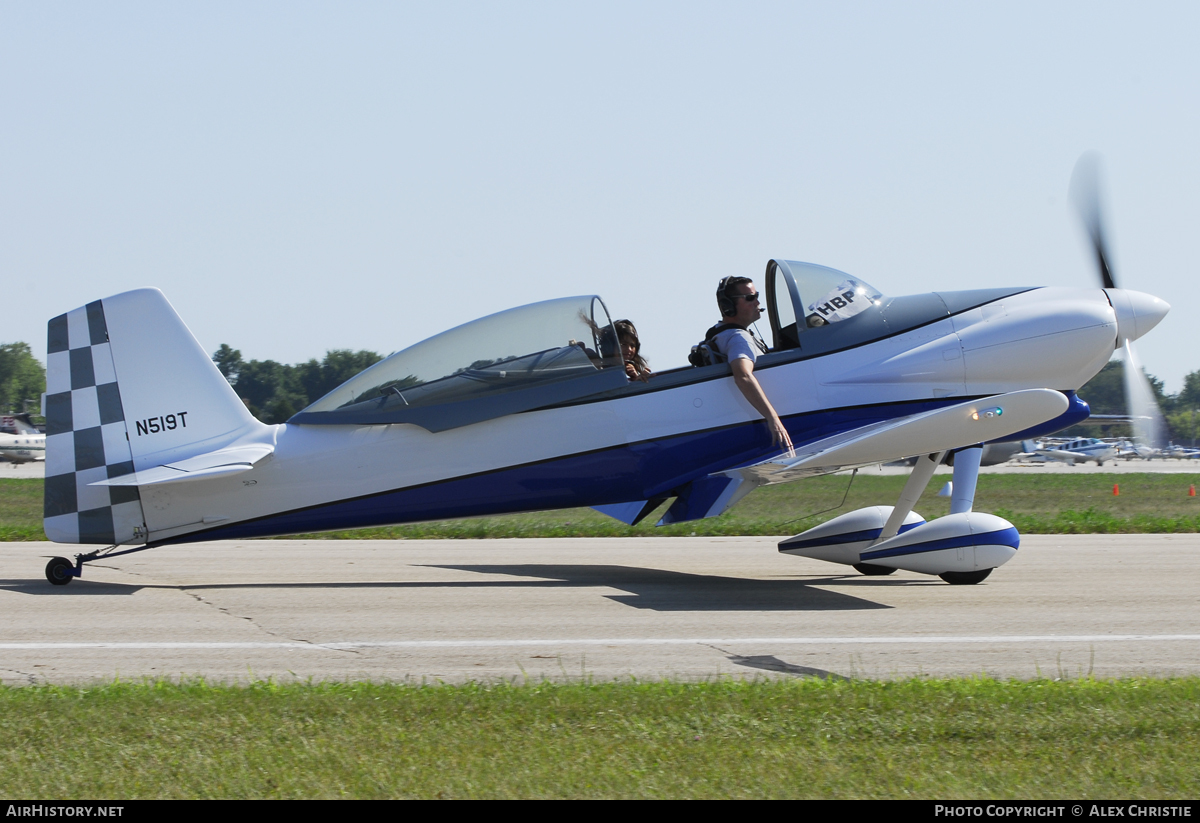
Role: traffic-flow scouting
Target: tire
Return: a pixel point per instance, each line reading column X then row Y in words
column 871, row 570
column 965, row 578
column 59, row 571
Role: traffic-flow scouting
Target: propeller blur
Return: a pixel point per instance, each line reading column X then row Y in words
column 1134, row 309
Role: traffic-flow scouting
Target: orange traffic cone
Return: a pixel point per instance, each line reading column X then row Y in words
column 1116, row 490
column 1192, row 490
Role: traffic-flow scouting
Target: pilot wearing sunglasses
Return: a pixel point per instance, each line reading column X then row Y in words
column 738, row 300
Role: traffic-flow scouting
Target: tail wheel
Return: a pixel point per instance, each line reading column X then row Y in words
column 59, row 571
column 871, row 570
column 965, row 578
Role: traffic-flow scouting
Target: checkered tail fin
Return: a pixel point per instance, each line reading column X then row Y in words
column 127, row 388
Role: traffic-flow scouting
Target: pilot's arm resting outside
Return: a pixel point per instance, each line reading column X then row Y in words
column 741, row 307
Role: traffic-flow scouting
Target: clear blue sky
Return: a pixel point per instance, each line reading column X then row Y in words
column 304, row 176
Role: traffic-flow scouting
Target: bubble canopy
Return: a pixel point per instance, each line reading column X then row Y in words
column 508, row 362
column 822, row 297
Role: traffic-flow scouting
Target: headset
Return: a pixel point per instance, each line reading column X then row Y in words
column 724, row 301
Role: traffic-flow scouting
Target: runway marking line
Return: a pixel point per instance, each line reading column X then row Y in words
column 613, row 641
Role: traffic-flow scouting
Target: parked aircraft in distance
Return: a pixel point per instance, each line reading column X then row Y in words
column 20, row 441
column 1081, row 449
column 1129, row 450
column 531, row 409
column 1139, row 451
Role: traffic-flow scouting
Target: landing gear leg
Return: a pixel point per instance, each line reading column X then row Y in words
column 962, row 499
column 966, row 476
column 60, row 570
column 922, row 473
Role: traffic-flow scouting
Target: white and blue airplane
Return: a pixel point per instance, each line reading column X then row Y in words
column 531, row 409
column 528, row 409
column 1080, row 449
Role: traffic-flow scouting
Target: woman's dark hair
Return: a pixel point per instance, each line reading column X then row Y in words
column 627, row 331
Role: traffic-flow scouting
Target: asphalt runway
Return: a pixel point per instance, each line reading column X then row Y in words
column 683, row 608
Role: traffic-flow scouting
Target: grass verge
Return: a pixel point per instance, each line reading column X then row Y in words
column 934, row 739
column 21, row 509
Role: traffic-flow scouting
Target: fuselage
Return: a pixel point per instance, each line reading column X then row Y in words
column 650, row 440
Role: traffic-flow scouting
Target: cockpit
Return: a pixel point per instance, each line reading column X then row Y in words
column 838, row 311
column 804, row 300
column 561, row 351
column 508, row 362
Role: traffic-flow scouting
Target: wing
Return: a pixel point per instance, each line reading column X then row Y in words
column 1062, row 454
column 964, row 424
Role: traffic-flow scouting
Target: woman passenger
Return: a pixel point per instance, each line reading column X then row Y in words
column 631, row 348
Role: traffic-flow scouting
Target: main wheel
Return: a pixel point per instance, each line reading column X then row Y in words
column 965, row 578
column 59, row 571
column 871, row 570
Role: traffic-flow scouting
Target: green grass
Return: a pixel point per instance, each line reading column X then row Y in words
column 1036, row 504
column 21, row 509
column 944, row 739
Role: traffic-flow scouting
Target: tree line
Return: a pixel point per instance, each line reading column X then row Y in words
column 272, row 391
column 22, row 379
column 1105, row 393
column 275, row 391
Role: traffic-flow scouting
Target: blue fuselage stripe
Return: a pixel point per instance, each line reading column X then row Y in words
column 638, row 471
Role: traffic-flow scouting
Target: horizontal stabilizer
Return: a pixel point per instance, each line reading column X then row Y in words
column 964, row 424
column 213, row 464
